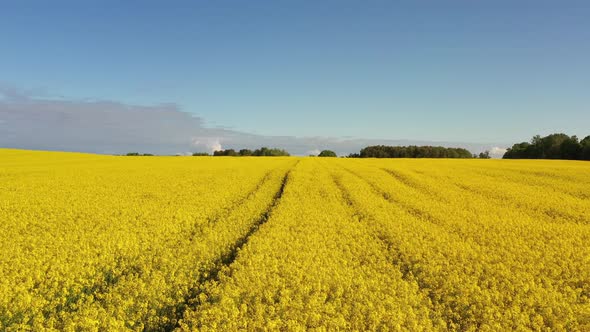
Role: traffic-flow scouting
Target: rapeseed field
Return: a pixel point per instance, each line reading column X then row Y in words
column 97, row 243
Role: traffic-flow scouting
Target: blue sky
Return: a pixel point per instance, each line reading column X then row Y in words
column 451, row 71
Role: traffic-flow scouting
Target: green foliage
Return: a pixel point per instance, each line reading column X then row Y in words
column 228, row 152
column 327, row 153
column 272, row 152
column 262, row 152
column 585, row 152
column 412, row 151
column 484, row 155
column 136, row 154
column 554, row 146
column 200, row 154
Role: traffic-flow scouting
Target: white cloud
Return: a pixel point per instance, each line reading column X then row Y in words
column 208, row 144
column 99, row 126
column 116, row 128
column 313, row 152
column 497, row 152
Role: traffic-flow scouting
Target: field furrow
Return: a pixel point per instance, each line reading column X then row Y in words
column 457, row 273
column 200, row 243
column 223, row 262
column 312, row 265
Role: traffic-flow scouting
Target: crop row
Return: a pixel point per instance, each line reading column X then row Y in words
column 171, row 243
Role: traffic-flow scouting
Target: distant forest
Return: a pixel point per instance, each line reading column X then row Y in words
column 412, row 151
column 554, row 146
column 262, row 152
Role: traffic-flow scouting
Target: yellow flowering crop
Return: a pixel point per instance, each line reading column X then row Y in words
column 219, row 243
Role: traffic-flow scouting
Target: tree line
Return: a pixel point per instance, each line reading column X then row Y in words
column 554, row 146
column 377, row 151
column 137, row 154
column 413, row 151
column 262, row 152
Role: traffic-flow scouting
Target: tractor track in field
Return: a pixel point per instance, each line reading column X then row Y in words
column 383, row 239
column 226, row 211
column 414, row 184
column 410, row 269
column 400, row 260
column 111, row 278
column 395, row 257
column 348, row 199
column 225, row 261
column 415, row 212
column 555, row 215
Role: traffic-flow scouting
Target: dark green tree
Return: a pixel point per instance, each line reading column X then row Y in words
column 585, row 148
column 228, row 152
column 554, row 146
column 412, row 151
column 266, row 152
column 327, row 153
column 570, row 148
column 262, row 152
column 484, row 155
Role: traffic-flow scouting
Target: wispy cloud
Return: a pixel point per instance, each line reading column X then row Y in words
column 208, row 144
column 98, row 126
column 313, row 152
column 497, row 152
column 31, row 122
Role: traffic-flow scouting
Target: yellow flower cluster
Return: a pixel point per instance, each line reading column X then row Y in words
column 218, row 244
column 119, row 243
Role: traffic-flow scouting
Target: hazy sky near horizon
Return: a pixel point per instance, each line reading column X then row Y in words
column 465, row 71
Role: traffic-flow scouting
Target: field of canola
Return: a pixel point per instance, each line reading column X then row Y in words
column 95, row 242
